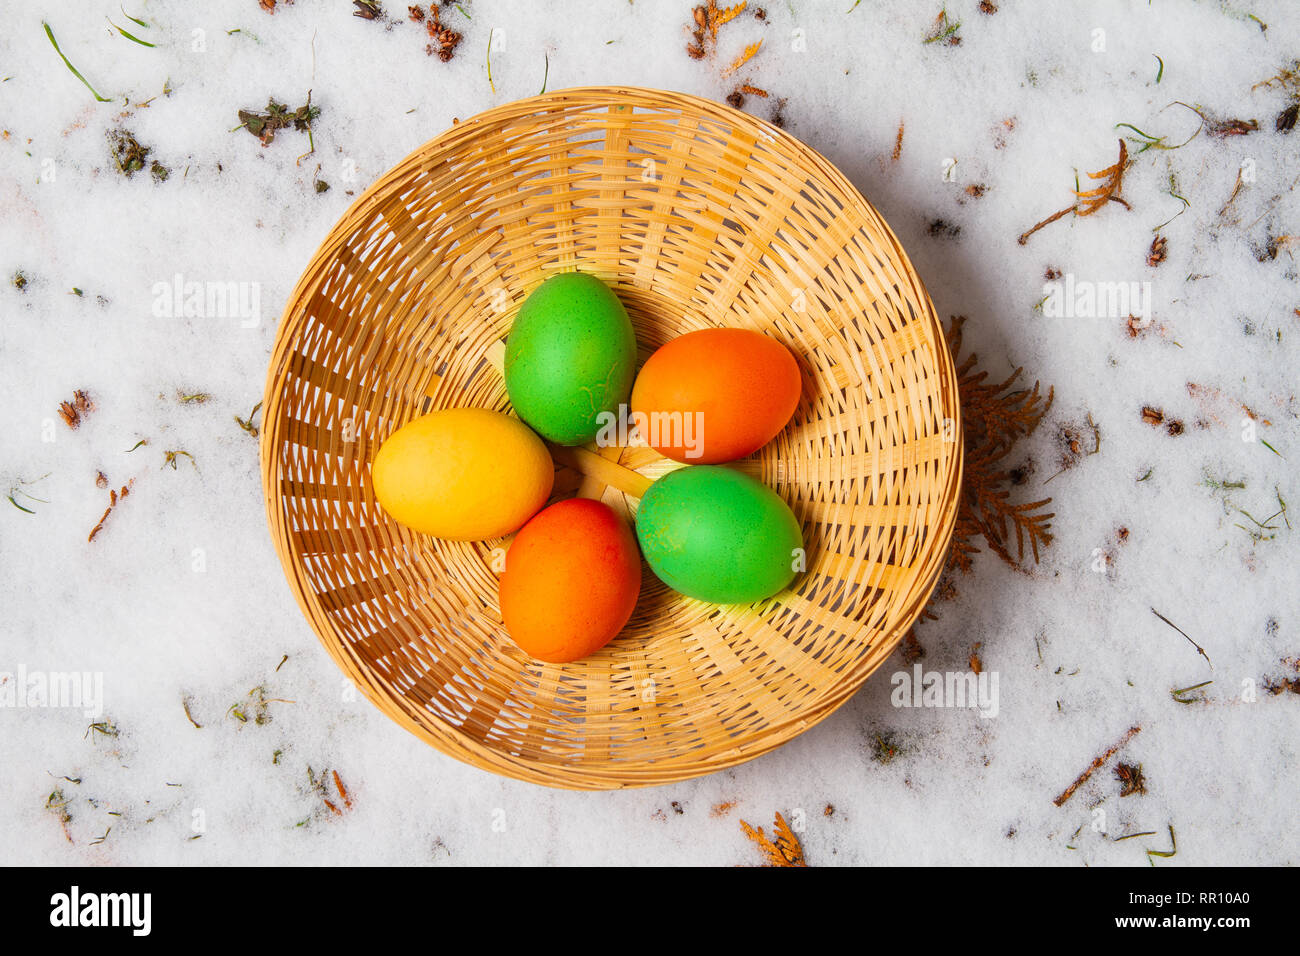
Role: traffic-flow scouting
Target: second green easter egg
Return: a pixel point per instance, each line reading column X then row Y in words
column 718, row 535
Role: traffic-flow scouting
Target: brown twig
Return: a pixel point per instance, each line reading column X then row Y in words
column 113, row 498
column 1024, row 236
column 1093, row 767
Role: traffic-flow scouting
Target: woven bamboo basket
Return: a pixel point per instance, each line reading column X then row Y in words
column 698, row 215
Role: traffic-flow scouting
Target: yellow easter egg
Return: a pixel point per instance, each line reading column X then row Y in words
column 463, row 473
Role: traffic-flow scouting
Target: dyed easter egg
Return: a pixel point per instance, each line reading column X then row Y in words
column 570, row 356
column 463, row 473
column 571, row 580
column 718, row 535
column 715, row 395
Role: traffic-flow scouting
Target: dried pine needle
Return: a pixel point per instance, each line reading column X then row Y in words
column 1200, row 650
column 343, row 791
column 1180, row 694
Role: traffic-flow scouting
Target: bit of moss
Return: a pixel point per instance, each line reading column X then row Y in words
column 944, row 30
column 1131, row 779
column 256, row 707
column 128, row 153
column 885, row 747
column 278, row 116
column 170, row 458
column 248, row 426
column 104, row 728
column 1222, row 484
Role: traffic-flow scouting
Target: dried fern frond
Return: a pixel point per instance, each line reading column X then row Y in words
column 995, row 418
column 785, row 850
column 1113, row 181
column 996, row 510
column 746, row 55
column 1006, row 413
column 1089, row 201
column 1288, row 78
column 723, row 16
column 965, row 531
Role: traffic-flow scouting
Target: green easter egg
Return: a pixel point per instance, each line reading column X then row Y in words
column 718, row 535
column 571, row 355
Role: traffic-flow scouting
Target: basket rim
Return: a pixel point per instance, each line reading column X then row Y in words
column 456, row 743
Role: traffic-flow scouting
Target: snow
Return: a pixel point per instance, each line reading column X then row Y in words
column 180, row 597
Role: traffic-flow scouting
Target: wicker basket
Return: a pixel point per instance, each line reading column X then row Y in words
column 699, row 215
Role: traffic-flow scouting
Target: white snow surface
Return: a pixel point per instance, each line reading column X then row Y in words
column 181, row 597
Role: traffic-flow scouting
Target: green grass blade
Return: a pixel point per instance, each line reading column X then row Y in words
column 134, row 20
column 130, row 36
column 1146, row 136
column 68, row 63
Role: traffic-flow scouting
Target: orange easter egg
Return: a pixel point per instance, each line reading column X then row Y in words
column 572, row 578
column 715, row 395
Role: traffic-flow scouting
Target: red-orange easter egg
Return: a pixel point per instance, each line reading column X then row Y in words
column 715, row 395
column 572, row 578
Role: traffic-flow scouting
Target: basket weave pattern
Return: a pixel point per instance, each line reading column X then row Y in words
column 697, row 215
